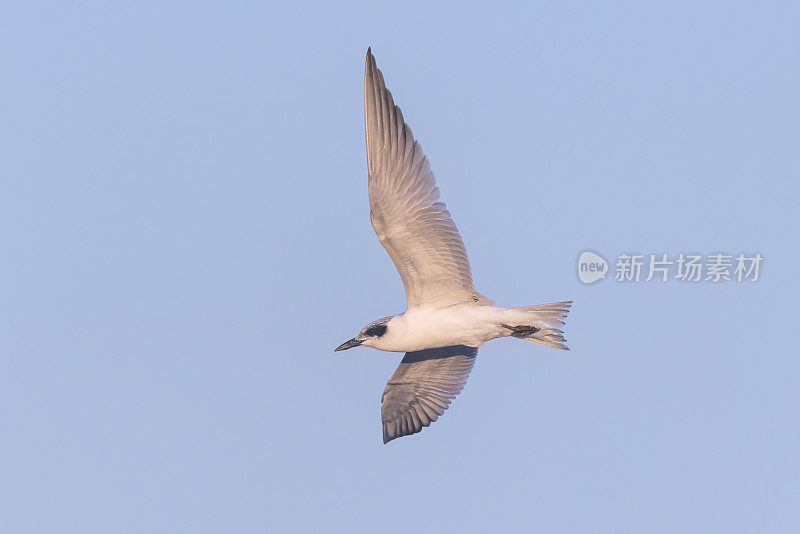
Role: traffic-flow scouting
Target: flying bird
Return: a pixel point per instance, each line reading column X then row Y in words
column 446, row 319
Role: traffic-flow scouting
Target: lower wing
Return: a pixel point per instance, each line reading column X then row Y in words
column 422, row 388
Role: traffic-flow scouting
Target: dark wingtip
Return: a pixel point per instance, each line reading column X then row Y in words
column 370, row 59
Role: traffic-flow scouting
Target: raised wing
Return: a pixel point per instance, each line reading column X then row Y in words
column 413, row 227
column 422, row 388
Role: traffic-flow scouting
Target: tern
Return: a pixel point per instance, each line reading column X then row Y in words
column 446, row 319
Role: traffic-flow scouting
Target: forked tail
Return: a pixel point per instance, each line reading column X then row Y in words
column 540, row 324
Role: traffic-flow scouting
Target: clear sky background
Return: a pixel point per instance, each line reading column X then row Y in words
column 184, row 239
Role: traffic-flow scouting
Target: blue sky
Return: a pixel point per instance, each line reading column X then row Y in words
column 185, row 239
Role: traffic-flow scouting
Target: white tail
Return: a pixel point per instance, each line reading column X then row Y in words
column 540, row 324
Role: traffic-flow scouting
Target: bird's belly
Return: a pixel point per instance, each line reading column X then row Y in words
column 458, row 325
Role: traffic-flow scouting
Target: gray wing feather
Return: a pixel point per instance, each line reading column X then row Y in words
column 414, row 228
column 422, row 388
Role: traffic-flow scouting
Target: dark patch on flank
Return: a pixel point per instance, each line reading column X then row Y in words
column 376, row 330
column 521, row 330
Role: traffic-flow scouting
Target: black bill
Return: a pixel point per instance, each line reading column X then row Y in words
column 348, row 345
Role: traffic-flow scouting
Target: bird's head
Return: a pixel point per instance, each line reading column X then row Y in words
column 368, row 336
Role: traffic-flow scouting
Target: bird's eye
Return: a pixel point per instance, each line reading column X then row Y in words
column 376, row 330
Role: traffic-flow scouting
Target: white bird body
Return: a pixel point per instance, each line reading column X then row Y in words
column 447, row 319
column 460, row 324
column 467, row 324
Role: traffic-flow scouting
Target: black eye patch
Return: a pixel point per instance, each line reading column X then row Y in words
column 376, row 330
